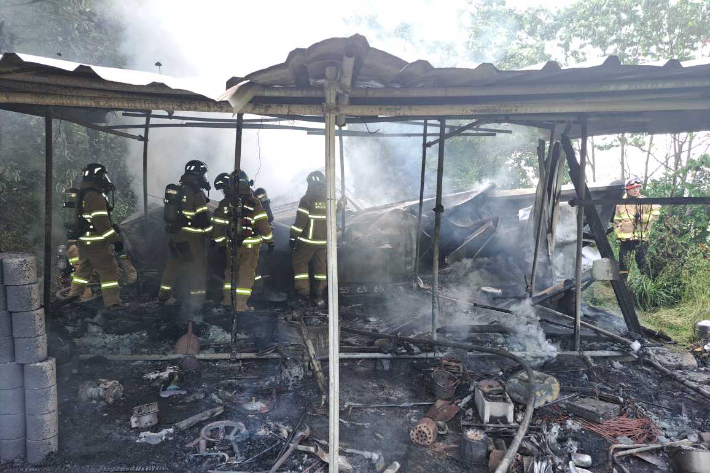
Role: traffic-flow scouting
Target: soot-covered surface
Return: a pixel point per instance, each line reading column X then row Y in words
column 95, row 436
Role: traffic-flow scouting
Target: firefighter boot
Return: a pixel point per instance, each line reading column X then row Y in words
column 242, row 304
column 129, row 271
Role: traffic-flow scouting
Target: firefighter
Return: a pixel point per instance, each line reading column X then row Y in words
column 241, row 220
column 98, row 238
column 262, row 272
column 632, row 225
column 308, row 240
column 189, row 227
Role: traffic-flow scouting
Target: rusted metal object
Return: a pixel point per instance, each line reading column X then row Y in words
column 443, row 384
column 107, row 390
column 442, row 411
column 145, row 415
column 425, row 432
column 474, row 447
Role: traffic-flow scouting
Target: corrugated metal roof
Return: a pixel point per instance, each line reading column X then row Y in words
column 659, row 97
column 375, row 68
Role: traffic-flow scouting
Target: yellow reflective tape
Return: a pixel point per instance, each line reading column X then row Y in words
column 321, row 277
column 165, row 288
column 108, row 233
column 108, row 284
column 300, row 276
column 192, row 230
column 318, row 217
column 86, row 216
column 313, row 242
column 220, row 239
column 257, row 278
column 296, row 229
column 252, row 241
column 268, row 237
column 198, row 292
column 220, row 221
column 74, row 259
column 208, row 229
column 188, row 213
column 78, row 280
column 204, row 208
column 243, row 291
column 303, row 211
column 260, row 216
column 227, row 286
column 91, row 238
column 248, row 208
column 99, row 212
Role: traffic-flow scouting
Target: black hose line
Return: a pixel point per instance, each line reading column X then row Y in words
column 529, row 408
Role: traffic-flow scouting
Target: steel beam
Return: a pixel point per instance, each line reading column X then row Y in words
column 145, row 176
column 580, row 241
column 48, row 199
column 438, row 210
column 455, row 132
column 421, row 204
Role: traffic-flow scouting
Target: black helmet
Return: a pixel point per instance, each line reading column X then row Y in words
column 221, row 182
column 97, row 174
column 260, row 194
column 242, row 183
column 197, row 168
column 316, row 178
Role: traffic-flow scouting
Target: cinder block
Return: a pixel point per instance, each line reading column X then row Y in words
column 40, row 375
column 11, row 376
column 12, row 401
column 3, row 298
column 12, row 449
column 28, row 324
column 43, row 426
column 23, row 298
column 12, row 426
column 31, row 350
column 19, row 270
column 40, row 401
column 593, row 409
column 37, row 450
column 5, row 324
column 7, row 349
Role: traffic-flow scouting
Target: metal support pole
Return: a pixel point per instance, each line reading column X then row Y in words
column 342, row 183
column 232, row 237
column 421, row 204
column 48, row 194
column 580, row 236
column 435, row 306
column 238, row 144
column 541, row 210
column 145, row 175
column 332, row 261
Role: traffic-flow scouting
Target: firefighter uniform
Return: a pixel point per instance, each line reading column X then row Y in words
column 632, row 225
column 255, row 231
column 309, row 232
column 187, row 246
column 94, row 252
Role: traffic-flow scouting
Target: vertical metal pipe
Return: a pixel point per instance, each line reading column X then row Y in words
column 342, row 182
column 435, row 306
column 332, row 261
column 421, row 204
column 48, row 195
column 580, row 236
column 145, row 173
column 238, row 143
column 541, row 211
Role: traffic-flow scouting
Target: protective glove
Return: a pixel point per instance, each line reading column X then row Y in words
column 118, row 247
column 271, row 247
column 292, row 243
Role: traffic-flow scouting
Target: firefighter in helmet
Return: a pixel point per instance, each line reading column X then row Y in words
column 188, row 230
column 308, row 240
column 632, row 225
column 98, row 238
column 241, row 221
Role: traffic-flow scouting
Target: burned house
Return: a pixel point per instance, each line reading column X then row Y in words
column 433, row 327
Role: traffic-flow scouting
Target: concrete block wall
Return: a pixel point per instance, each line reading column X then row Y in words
column 29, row 421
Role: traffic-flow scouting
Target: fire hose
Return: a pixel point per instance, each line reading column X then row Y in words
column 529, row 408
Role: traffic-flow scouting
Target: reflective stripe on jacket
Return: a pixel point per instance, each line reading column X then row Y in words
column 194, row 208
column 634, row 222
column 95, row 210
column 310, row 224
column 256, row 222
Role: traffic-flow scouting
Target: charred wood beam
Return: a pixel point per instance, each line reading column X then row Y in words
column 48, row 197
column 455, row 132
column 599, row 231
column 645, row 200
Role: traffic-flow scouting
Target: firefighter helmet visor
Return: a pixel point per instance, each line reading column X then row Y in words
column 633, row 183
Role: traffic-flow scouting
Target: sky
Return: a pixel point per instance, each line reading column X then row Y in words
column 218, row 39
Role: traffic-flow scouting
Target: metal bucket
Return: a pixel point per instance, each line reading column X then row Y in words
column 691, row 461
column 443, row 384
column 702, row 330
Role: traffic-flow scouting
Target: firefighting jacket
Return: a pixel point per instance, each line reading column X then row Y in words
column 95, row 210
column 193, row 209
column 633, row 222
column 255, row 224
column 310, row 225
